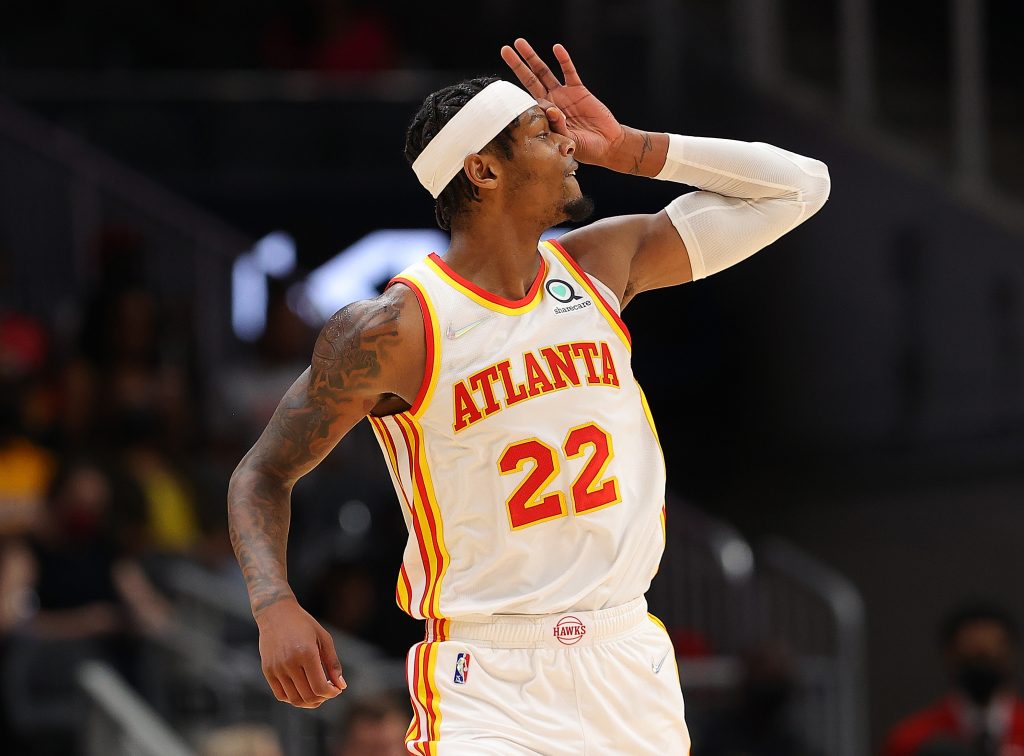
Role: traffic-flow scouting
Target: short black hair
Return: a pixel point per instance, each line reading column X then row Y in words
column 438, row 108
column 976, row 611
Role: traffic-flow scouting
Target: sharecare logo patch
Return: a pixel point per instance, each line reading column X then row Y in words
column 569, row 630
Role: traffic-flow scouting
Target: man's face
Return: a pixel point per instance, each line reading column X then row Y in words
column 981, row 659
column 540, row 172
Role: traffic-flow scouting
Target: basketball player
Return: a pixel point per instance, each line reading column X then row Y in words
column 497, row 379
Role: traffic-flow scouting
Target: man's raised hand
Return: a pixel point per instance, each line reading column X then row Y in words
column 571, row 108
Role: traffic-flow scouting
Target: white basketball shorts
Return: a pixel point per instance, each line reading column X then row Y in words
column 575, row 684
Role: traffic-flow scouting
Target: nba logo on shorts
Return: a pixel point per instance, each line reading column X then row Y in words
column 462, row 669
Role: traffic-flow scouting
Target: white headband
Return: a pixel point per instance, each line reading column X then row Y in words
column 477, row 123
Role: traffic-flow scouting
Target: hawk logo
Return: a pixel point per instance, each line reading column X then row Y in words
column 569, row 631
column 561, row 290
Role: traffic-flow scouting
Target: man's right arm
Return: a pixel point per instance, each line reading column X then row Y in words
column 366, row 352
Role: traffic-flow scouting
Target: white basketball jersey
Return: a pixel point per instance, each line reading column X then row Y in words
column 528, row 467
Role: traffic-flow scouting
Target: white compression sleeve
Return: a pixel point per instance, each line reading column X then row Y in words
column 752, row 193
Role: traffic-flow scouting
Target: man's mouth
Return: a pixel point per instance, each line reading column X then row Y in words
column 573, row 171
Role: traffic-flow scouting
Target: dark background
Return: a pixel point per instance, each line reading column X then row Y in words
column 857, row 388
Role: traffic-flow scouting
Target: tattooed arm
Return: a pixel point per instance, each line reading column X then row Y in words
column 369, row 355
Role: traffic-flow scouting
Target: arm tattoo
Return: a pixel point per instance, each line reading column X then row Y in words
column 341, row 385
column 645, row 147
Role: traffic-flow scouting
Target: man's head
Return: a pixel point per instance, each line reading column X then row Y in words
column 980, row 645
column 524, row 169
column 374, row 726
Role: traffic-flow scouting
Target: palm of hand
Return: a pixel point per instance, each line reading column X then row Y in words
column 587, row 120
column 576, row 112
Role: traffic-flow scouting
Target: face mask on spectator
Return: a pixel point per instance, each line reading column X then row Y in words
column 979, row 679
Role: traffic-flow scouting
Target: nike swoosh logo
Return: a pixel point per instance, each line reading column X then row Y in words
column 656, row 668
column 451, row 333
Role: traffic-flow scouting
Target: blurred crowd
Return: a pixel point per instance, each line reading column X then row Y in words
column 114, row 458
column 326, row 35
column 332, row 36
column 115, row 450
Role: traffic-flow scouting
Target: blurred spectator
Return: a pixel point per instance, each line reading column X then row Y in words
column 133, row 370
column 759, row 724
column 75, row 595
column 25, row 466
column 17, row 575
column 375, row 727
column 982, row 715
column 331, row 35
column 345, row 597
column 242, row 740
column 248, row 394
column 171, row 521
column 84, row 585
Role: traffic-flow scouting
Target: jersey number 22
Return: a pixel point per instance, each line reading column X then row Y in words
column 529, row 504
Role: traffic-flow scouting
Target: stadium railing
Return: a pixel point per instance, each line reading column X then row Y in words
column 723, row 602
column 821, row 616
column 118, row 722
column 213, row 658
column 59, row 195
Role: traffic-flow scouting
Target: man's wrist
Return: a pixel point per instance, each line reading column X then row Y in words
column 261, row 604
column 641, row 153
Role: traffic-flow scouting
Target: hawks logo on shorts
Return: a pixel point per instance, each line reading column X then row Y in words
column 462, row 669
column 569, row 631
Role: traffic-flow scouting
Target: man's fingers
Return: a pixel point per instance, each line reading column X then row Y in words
column 291, row 694
column 276, row 687
column 523, row 73
column 537, row 65
column 557, row 120
column 568, row 69
column 302, row 685
column 330, row 661
column 317, row 679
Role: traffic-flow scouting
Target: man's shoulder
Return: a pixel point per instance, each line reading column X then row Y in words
column 375, row 344
column 394, row 312
column 910, row 733
column 604, row 249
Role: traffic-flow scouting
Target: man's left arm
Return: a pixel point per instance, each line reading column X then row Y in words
column 750, row 194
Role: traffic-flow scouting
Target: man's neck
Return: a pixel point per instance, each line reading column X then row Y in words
column 498, row 254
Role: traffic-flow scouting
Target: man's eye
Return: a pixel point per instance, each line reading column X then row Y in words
column 545, row 134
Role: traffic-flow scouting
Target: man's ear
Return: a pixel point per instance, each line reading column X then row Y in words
column 482, row 170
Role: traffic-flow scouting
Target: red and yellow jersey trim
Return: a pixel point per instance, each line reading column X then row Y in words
column 584, row 280
column 432, row 339
column 403, row 589
column 437, row 630
column 485, row 298
column 402, row 436
column 654, row 429
column 424, row 732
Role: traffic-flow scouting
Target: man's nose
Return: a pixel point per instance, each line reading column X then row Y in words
column 568, row 146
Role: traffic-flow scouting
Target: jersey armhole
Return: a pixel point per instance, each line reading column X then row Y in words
column 609, row 295
column 432, row 340
column 595, row 288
